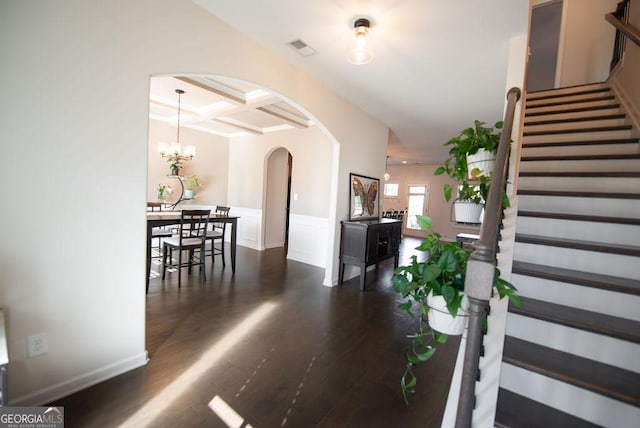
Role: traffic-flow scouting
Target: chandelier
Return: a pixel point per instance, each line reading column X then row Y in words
column 175, row 154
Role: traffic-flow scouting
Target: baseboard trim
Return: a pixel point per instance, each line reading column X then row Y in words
column 62, row 389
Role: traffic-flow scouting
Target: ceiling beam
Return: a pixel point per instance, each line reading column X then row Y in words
column 290, row 118
column 233, row 95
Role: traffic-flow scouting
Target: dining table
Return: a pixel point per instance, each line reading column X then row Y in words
column 166, row 218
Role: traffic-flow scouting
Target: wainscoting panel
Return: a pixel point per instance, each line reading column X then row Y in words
column 308, row 237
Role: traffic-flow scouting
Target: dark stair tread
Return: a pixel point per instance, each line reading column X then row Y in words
column 602, row 174
column 569, row 110
column 626, row 250
column 578, row 130
column 576, row 119
column 580, row 157
column 583, row 143
column 566, row 194
column 538, row 95
column 581, row 319
column 581, row 217
column 610, row 381
column 565, row 102
column 587, row 279
column 516, row 411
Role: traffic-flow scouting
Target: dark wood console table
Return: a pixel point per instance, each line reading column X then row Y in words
column 367, row 242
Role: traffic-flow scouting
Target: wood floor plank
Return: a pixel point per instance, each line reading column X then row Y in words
column 322, row 357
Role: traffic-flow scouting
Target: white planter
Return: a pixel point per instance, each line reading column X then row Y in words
column 484, row 161
column 467, row 212
column 441, row 320
column 188, row 194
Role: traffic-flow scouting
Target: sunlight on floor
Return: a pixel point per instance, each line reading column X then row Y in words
column 154, row 407
column 226, row 413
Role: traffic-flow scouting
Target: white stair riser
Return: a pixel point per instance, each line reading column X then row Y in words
column 567, row 99
column 578, row 136
column 581, row 184
column 581, row 165
column 570, row 399
column 563, row 107
column 579, row 114
column 624, row 234
column 575, row 125
column 587, row 261
column 569, row 90
column 578, row 296
column 627, row 208
column 589, row 149
column 586, row 344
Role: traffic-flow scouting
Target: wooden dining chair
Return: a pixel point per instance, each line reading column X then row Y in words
column 158, row 233
column 216, row 233
column 192, row 237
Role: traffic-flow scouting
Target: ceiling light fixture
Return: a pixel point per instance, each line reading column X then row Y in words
column 175, row 154
column 359, row 50
column 387, row 176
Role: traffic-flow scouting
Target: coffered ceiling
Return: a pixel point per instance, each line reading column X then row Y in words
column 221, row 106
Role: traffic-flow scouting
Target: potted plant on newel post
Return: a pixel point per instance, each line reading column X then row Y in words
column 470, row 163
column 433, row 291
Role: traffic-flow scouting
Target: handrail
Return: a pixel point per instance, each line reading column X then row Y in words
column 481, row 267
column 627, row 29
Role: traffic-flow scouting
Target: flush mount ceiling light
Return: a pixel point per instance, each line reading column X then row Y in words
column 359, row 50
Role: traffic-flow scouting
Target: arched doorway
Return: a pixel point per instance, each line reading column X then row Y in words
column 277, row 202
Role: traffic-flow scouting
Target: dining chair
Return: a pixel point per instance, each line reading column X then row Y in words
column 216, row 233
column 191, row 237
column 158, row 233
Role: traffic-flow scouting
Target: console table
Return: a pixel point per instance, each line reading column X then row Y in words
column 367, row 242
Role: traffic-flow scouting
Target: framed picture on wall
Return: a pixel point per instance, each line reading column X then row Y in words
column 364, row 200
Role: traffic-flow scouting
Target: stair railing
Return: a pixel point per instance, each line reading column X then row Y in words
column 481, row 267
column 620, row 20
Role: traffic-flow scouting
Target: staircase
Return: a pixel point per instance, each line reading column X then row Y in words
column 572, row 351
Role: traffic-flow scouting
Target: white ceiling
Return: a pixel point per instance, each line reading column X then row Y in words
column 437, row 66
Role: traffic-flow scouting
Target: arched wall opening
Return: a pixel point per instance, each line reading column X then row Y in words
column 238, row 170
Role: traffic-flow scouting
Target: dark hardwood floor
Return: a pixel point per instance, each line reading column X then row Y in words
column 275, row 346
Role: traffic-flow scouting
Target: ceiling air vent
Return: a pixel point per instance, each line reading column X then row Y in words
column 302, row 48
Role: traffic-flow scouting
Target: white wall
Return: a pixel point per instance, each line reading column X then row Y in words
column 210, row 163
column 75, row 84
column 586, row 42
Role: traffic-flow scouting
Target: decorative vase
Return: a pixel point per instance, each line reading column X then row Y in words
column 188, row 194
column 442, row 321
column 483, row 162
column 175, row 170
column 467, row 212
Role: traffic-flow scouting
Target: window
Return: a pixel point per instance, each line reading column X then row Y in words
column 391, row 190
column 417, row 204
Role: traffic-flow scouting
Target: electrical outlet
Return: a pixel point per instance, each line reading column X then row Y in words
column 37, row 344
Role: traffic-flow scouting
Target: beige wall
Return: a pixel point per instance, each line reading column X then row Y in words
column 586, row 42
column 312, row 155
column 211, row 163
column 75, row 85
column 437, row 207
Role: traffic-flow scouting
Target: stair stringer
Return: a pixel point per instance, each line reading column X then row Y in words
column 486, row 390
